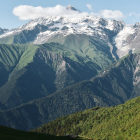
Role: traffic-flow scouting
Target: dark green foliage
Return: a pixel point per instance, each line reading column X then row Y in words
column 12, row 134
column 38, row 112
column 3, row 74
column 119, row 122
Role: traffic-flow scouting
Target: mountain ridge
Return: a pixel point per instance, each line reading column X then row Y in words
column 112, row 87
column 119, row 36
column 34, row 71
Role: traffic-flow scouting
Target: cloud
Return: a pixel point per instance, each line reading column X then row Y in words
column 25, row 12
column 133, row 13
column 112, row 14
column 89, row 7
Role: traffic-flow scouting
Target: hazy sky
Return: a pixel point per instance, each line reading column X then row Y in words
column 14, row 13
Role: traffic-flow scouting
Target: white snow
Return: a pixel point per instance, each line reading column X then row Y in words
column 30, row 26
column 88, row 25
column 120, row 40
column 110, row 25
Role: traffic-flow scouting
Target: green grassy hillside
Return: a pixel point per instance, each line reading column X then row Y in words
column 89, row 47
column 121, row 122
column 10, row 55
column 30, row 71
column 7, row 40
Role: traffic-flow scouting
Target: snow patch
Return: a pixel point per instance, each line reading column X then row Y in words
column 110, row 25
column 121, row 42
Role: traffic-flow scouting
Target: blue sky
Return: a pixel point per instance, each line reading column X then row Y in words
column 126, row 10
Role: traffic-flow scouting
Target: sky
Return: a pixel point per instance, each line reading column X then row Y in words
column 15, row 13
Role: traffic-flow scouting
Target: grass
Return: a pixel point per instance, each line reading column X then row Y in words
column 27, row 56
column 7, row 40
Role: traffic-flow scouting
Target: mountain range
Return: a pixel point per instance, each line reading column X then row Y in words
column 112, row 87
column 55, row 66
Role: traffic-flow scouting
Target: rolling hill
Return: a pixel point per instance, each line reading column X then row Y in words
column 115, row 123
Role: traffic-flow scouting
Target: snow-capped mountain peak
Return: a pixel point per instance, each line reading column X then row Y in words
column 116, row 33
column 78, row 24
column 69, row 7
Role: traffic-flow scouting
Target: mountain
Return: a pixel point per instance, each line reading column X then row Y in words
column 111, row 87
column 75, row 56
column 119, row 122
column 69, row 7
column 62, row 29
column 32, row 71
column 127, row 40
column 55, row 66
column 119, row 37
column 40, row 30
